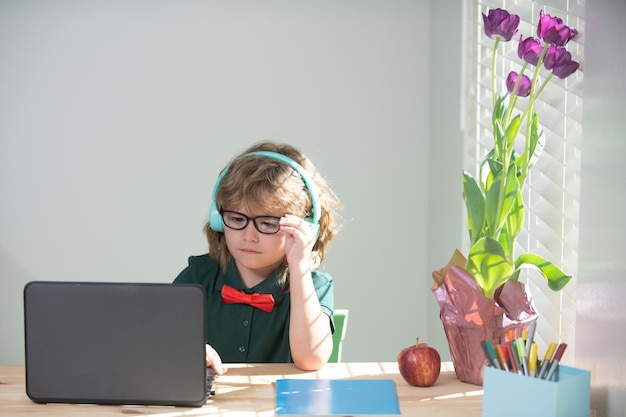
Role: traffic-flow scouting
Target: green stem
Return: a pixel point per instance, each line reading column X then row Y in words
column 528, row 115
column 526, row 160
column 539, row 63
column 503, row 151
column 541, row 87
column 534, row 97
column 493, row 70
column 505, row 174
column 533, row 85
column 513, row 101
column 534, row 92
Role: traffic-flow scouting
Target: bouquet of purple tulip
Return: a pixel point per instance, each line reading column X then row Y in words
column 495, row 209
column 481, row 298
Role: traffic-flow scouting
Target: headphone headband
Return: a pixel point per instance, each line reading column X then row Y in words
column 215, row 218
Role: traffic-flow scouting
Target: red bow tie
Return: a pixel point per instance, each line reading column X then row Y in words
column 263, row 302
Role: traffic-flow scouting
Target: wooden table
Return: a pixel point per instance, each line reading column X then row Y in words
column 248, row 390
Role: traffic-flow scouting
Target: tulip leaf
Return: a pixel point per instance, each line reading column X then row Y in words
column 537, row 141
column 512, row 130
column 500, row 140
column 557, row 279
column 487, row 263
column 498, row 207
column 536, row 144
column 499, row 108
column 495, row 166
column 512, row 226
column 475, row 204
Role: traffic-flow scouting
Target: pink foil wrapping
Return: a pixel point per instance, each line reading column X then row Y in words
column 468, row 317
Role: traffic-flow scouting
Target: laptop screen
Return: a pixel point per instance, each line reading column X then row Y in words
column 115, row 343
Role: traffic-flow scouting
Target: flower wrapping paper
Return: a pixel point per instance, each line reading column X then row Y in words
column 469, row 317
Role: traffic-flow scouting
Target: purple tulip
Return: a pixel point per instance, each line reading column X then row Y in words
column 552, row 30
column 529, row 49
column 523, row 90
column 500, row 23
column 559, row 61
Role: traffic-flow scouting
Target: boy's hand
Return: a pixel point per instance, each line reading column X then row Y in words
column 299, row 238
column 214, row 361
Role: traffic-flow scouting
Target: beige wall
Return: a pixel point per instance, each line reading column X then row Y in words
column 601, row 306
column 116, row 116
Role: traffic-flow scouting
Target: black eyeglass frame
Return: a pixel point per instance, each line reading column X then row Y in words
column 248, row 219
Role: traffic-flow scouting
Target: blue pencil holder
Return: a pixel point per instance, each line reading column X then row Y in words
column 513, row 395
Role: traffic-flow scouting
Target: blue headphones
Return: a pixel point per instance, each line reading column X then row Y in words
column 215, row 218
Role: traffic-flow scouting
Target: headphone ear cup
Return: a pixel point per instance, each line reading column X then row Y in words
column 215, row 218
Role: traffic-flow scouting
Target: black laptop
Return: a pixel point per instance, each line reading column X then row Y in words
column 115, row 343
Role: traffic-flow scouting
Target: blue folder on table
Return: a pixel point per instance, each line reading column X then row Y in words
column 336, row 397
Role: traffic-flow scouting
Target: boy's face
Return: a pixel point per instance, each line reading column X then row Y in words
column 255, row 253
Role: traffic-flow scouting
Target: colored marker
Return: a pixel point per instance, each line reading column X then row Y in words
column 554, row 364
column 492, row 354
column 510, row 335
column 516, row 357
column 532, row 360
column 487, row 353
column 501, row 357
column 509, row 350
column 545, row 364
column 531, row 334
column 521, row 350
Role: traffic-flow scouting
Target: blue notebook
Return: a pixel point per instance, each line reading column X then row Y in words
column 336, row 397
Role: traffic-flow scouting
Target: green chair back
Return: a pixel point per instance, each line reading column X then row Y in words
column 340, row 317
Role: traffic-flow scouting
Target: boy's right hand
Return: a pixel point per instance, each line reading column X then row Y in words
column 214, row 361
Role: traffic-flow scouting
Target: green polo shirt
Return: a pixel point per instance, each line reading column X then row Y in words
column 241, row 333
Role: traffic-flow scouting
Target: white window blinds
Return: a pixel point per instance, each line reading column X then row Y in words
column 552, row 190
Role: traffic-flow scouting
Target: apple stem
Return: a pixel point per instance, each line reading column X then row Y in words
column 417, row 341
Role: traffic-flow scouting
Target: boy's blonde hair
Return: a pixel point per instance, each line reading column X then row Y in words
column 255, row 181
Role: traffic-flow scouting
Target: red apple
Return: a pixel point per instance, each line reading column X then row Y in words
column 419, row 364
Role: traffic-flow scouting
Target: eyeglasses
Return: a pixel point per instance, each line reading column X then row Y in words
column 238, row 221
